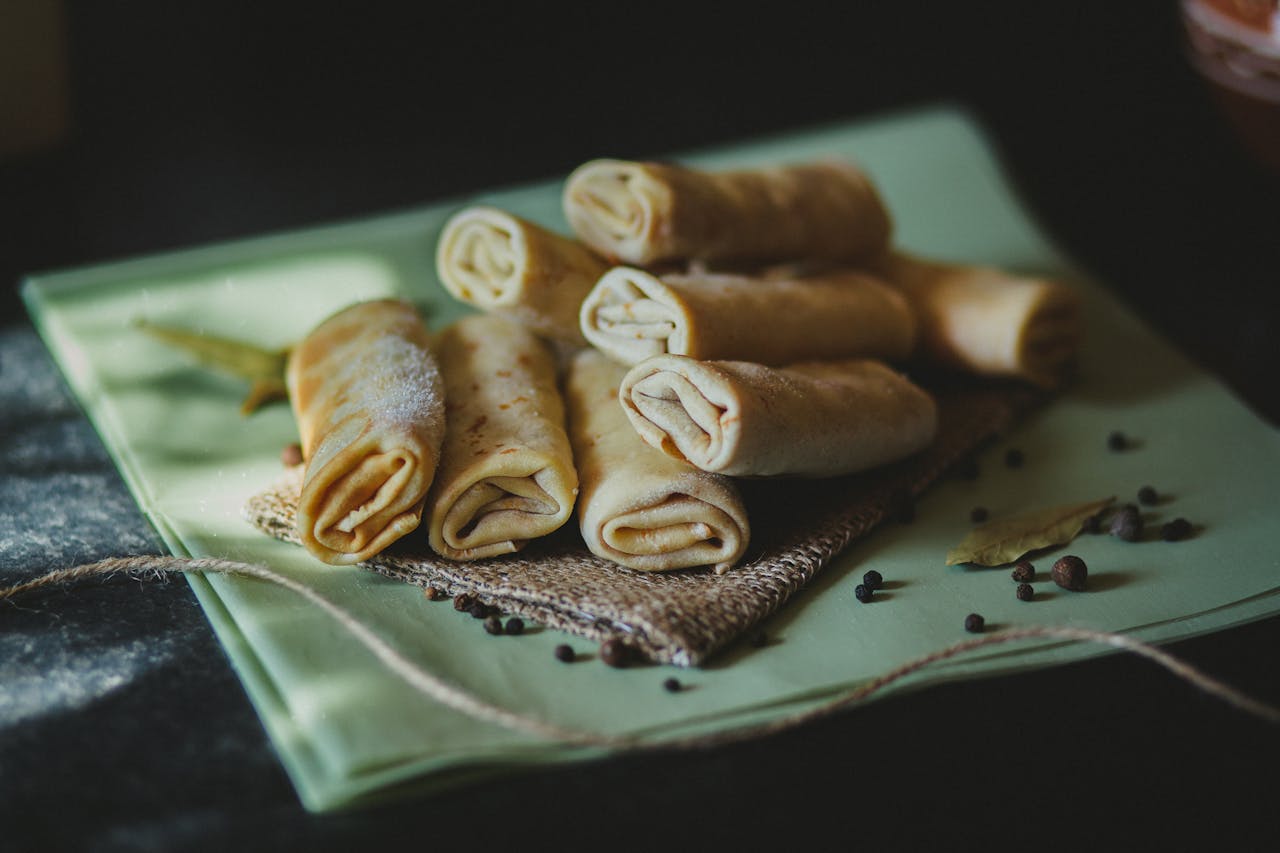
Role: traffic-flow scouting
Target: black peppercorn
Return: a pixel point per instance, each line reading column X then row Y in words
column 464, row 601
column 872, row 579
column 564, row 653
column 1024, row 572
column 978, row 514
column 974, row 623
column 434, row 593
column 1174, row 530
column 672, row 685
column 515, row 625
column 862, row 592
column 614, row 652
column 1070, row 572
column 1127, row 523
column 1013, row 458
column 1025, row 592
column 1147, row 496
column 479, row 610
column 493, row 625
column 1117, row 441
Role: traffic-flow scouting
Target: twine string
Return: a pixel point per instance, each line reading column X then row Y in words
column 467, row 703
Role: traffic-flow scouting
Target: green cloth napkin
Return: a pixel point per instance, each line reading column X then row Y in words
column 348, row 731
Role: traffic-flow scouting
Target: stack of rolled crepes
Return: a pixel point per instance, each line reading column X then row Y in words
column 748, row 323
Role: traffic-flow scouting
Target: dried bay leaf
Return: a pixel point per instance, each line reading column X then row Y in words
column 264, row 368
column 1004, row 540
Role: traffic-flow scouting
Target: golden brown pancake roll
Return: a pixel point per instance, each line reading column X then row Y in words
column 637, row 506
column 815, row 419
column 648, row 213
column 369, row 404
column 506, row 471
column 503, row 264
column 632, row 315
column 986, row 321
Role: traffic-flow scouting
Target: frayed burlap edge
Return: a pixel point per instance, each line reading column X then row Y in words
column 684, row 617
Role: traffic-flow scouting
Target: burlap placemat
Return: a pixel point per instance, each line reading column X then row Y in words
column 683, row 617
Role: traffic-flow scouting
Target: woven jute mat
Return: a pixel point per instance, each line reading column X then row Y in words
column 684, row 617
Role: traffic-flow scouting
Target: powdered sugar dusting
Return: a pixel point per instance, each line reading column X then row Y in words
column 412, row 390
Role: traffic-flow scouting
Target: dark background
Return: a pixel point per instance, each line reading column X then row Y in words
column 194, row 122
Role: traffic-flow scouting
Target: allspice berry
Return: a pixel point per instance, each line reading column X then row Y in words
column 1070, row 572
column 291, row 455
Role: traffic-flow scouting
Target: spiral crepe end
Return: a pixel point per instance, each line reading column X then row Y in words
column 480, row 257
column 614, row 207
column 1050, row 338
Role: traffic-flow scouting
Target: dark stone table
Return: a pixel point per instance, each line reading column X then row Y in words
column 122, row 726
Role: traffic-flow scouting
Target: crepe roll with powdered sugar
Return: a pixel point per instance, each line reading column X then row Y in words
column 369, row 404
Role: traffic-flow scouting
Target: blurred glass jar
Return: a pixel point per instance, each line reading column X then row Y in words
column 1235, row 45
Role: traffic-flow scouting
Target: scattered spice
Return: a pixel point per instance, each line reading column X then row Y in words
column 564, row 653
column 1175, row 530
column 1070, row 572
column 863, row 593
column 672, row 685
column 1117, row 441
column 974, row 623
column 1024, row 572
column 615, row 653
column 1025, row 592
column 479, row 610
column 493, row 625
column 1147, row 496
column 463, row 601
column 514, row 626
column 872, row 579
column 434, row 594
column 1013, row 458
column 291, row 455
column 978, row 514
column 1127, row 523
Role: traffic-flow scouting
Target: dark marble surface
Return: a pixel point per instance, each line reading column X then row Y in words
column 122, row 726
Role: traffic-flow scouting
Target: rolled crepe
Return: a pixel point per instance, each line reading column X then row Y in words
column 647, row 213
column 984, row 320
column 632, row 315
column 369, row 404
column 504, row 264
column 638, row 507
column 506, row 471
column 815, row 419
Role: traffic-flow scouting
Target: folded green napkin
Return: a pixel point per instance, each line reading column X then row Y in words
column 349, row 731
